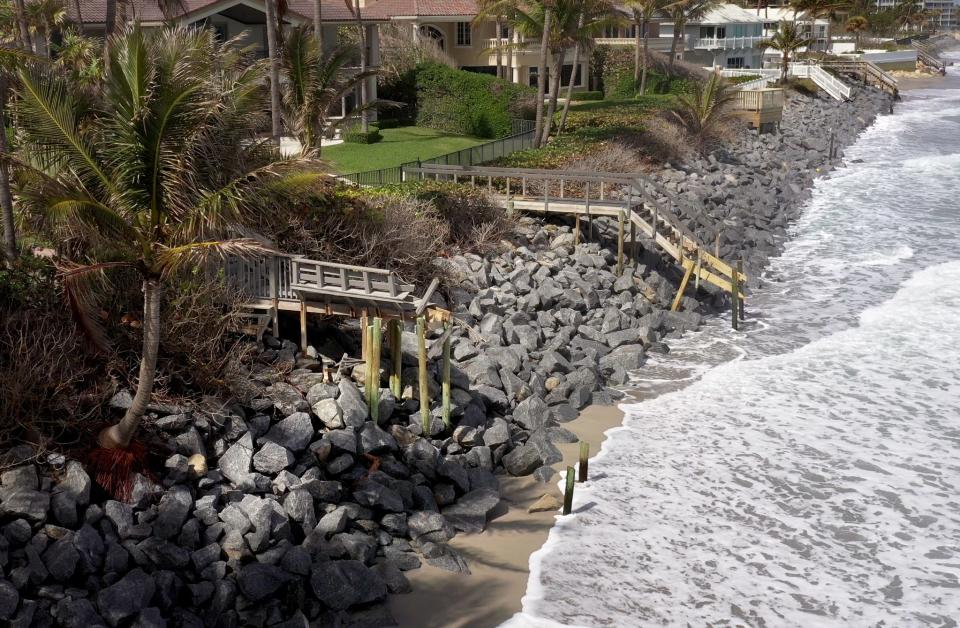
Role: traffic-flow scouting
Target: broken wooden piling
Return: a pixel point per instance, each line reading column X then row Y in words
column 584, row 460
column 568, row 492
column 445, row 407
column 395, row 340
column 422, row 375
column 373, row 368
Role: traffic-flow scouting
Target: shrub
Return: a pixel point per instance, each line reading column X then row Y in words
column 356, row 136
column 49, row 375
column 584, row 96
column 614, row 68
column 739, row 80
column 467, row 103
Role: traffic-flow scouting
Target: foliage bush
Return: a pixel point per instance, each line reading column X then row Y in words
column 586, row 96
column 614, row 68
column 739, row 80
column 467, row 103
column 51, row 380
column 356, row 136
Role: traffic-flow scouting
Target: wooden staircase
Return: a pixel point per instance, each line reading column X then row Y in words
column 929, row 58
column 636, row 202
column 870, row 73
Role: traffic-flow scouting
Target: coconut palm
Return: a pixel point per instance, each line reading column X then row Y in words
column 681, row 12
column 273, row 54
column 79, row 56
column 705, row 111
column 314, row 83
column 6, row 200
column 354, row 6
column 593, row 16
column 155, row 174
column 643, row 12
column 856, row 26
column 787, row 40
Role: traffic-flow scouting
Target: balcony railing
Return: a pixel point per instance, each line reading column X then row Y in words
column 727, row 43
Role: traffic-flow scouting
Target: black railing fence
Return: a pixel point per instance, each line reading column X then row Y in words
column 521, row 138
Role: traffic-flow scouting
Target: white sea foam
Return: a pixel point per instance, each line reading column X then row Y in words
column 805, row 471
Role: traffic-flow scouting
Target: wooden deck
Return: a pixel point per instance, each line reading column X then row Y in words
column 289, row 283
column 639, row 204
column 867, row 71
column 761, row 108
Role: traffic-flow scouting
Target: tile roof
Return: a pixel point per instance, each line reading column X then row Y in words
column 94, row 11
column 421, row 8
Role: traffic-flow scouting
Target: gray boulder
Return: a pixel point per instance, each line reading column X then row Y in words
column 470, row 512
column 523, row 460
column 374, row 440
column 329, row 413
column 258, row 581
column 172, row 512
column 354, row 408
column 235, row 463
column 429, row 526
column 127, row 597
column 294, row 432
column 272, row 459
column 345, row 583
column 531, row 413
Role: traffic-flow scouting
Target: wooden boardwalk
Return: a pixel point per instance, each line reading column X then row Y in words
column 291, row 283
column 870, row 73
column 639, row 204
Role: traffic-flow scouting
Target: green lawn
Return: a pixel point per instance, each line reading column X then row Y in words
column 397, row 147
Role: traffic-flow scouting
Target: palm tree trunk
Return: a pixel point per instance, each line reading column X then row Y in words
column 119, row 436
column 555, row 81
column 498, row 45
column 673, row 45
column 636, row 53
column 76, row 8
column 274, row 54
column 109, row 26
column 6, row 201
column 318, row 25
column 573, row 80
column 784, row 67
column 364, row 120
column 21, row 15
column 646, row 51
column 542, row 73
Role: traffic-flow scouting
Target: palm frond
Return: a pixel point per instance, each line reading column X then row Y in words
column 171, row 260
column 80, row 283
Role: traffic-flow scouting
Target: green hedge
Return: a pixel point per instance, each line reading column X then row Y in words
column 585, row 96
column 356, row 136
column 467, row 103
column 616, row 67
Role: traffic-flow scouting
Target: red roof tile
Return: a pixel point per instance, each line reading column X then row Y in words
column 94, row 11
column 421, row 8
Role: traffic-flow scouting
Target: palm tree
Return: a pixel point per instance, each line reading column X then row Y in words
column 314, row 84
column 154, row 174
column 273, row 53
column 545, row 26
column 79, row 56
column 787, row 40
column 704, row 111
column 593, row 16
column 856, row 26
column 6, row 201
column 354, row 7
column 44, row 16
column 318, row 23
column 682, row 11
column 20, row 12
column 643, row 11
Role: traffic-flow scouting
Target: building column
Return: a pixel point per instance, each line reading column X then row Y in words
column 373, row 38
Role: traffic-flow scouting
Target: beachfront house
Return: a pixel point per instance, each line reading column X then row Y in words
column 451, row 25
column 245, row 19
column 725, row 37
column 817, row 30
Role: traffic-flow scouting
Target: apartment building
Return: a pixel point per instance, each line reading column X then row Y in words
column 725, row 37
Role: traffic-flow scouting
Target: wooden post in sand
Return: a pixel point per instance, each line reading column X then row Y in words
column 743, row 313
column 364, row 339
column 445, row 385
column 735, row 299
column 394, row 338
column 422, row 375
column 373, row 369
column 584, row 461
column 568, row 492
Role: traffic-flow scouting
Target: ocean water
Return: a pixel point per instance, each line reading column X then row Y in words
column 804, row 471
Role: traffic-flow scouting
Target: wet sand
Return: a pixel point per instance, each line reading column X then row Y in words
column 499, row 558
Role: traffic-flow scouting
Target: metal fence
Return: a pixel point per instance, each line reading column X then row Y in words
column 521, row 138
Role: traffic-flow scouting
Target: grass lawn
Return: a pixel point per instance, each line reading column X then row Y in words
column 590, row 126
column 398, row 146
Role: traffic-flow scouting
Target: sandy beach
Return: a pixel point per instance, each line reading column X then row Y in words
column 499, row 558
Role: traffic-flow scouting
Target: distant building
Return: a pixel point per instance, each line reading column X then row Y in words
column 947, row 12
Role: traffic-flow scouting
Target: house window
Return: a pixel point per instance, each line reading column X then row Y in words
column 534, row 73
column 735, row 62
column 464, row 34
column 504, row 32
column 565, row 76
column 435, row 34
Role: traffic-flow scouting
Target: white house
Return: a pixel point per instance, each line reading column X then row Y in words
column 818, row 31
column 726, row 37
